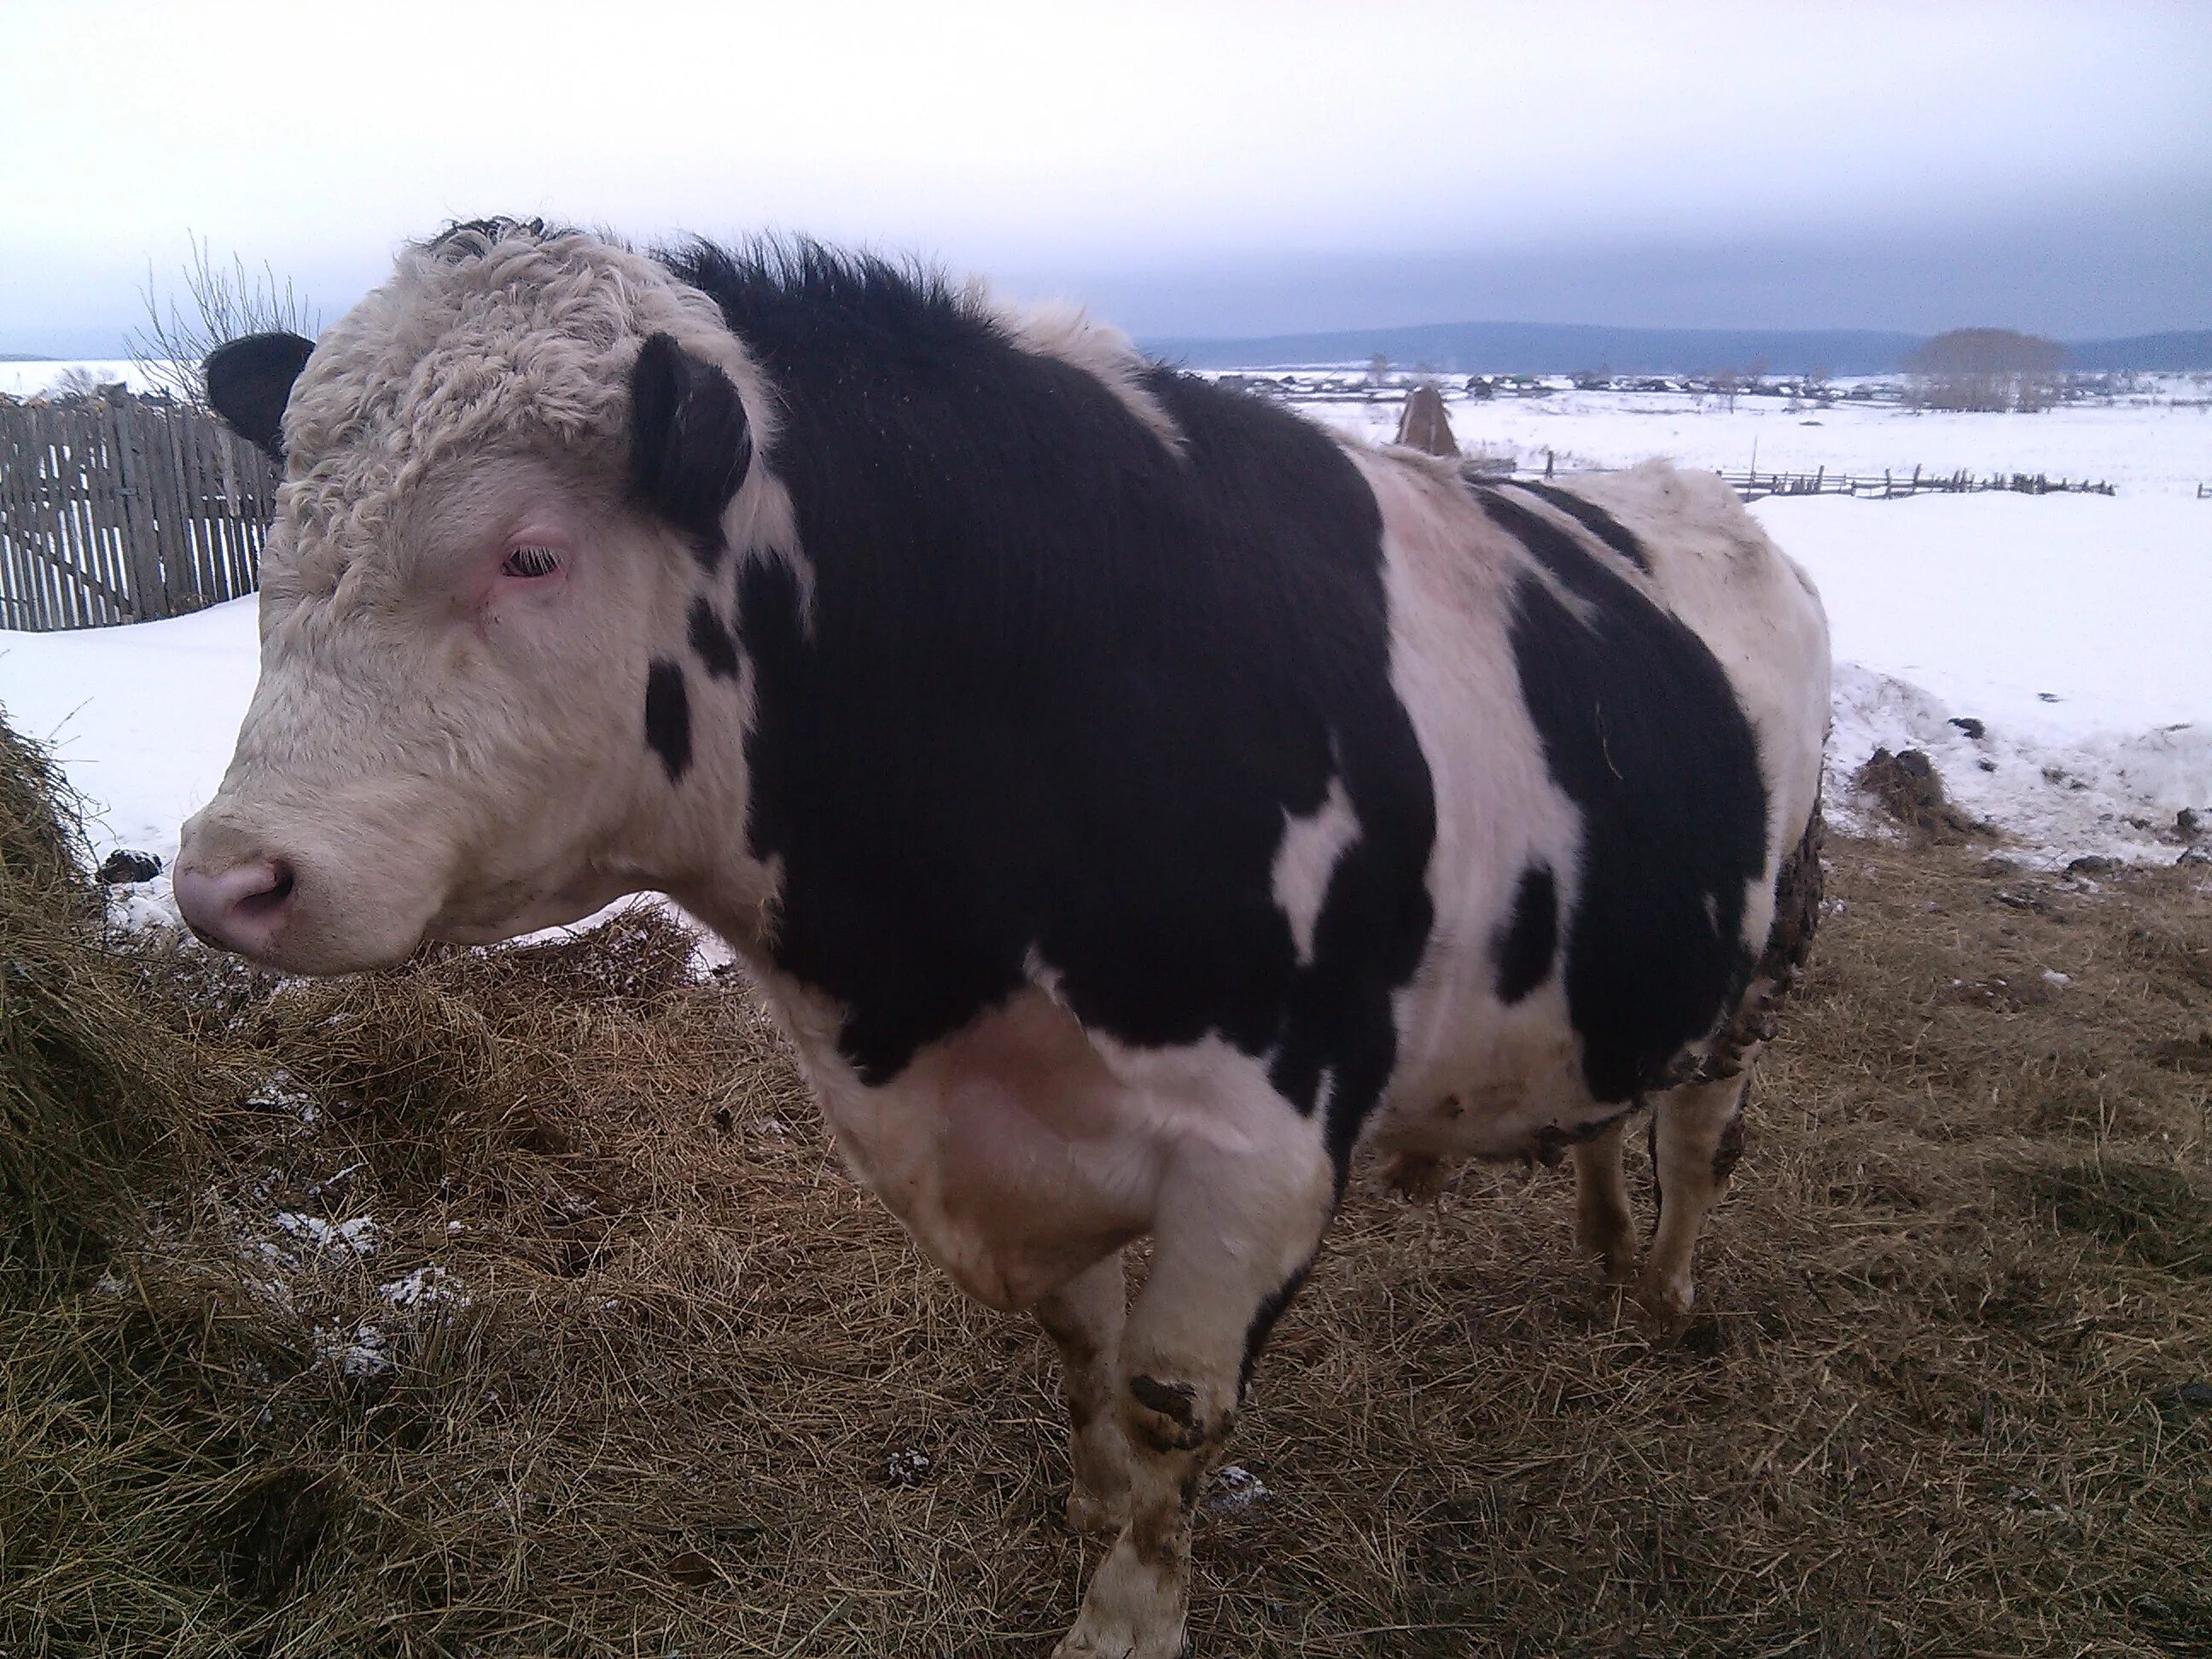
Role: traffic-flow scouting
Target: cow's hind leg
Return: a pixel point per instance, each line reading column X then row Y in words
column 1697, row 1135
column 1603, row 1227
column 1235, row 1234
column 1084, row 1318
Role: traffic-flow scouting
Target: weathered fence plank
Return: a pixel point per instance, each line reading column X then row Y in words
column 119, row 509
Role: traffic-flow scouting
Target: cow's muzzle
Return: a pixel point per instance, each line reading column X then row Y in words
column 242, row 907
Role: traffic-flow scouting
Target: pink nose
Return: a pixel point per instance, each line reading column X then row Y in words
column 240, row 909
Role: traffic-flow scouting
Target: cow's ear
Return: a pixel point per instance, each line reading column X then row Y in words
column 690, row 443
column 250, row 381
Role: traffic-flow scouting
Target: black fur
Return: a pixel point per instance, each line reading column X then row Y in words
column 464, row 240
column 1531, row 939
column 1262, row 1326
column 1593, row 519
column 249, row 381
column 716, row 645
column 1060, row 687
column 668, row 718
column 690, row 440
column 1642, row 733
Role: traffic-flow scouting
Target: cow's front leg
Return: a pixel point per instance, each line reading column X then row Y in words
column 1230, row 1249
column 1085, row 1318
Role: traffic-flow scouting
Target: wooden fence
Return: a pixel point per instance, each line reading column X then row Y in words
column 1753, row 485
column 122, row 509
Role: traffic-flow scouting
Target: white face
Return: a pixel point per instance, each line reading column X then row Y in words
column 446, row 741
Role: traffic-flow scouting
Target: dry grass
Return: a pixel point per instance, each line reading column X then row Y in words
column 1936, row 1405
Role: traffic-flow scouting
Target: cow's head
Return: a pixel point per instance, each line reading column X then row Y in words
column 495, row 598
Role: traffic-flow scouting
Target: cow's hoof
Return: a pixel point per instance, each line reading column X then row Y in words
column 1617, row 1268
column 1090, row 1515
column 1414, row 1177
column 1088, row 1641
column 1666, row 1297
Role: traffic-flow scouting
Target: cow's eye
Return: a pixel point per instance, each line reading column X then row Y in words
column 532, row 562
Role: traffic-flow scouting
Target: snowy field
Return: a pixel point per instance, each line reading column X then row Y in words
column 2158, row 442
column 2073, row 629
column 28, row 380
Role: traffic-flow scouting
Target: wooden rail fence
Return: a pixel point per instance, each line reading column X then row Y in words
column 121, row 509
column 1754, row 484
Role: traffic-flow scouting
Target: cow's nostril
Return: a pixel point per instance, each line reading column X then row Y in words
column 280, row 880
column 240, row 909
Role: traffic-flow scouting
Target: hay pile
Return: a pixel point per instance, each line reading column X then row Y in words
column 1906, row 785
column 513, row 1303
column 91, row 1087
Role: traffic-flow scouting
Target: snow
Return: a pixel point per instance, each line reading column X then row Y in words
column 2073, row 628
column 143, row 717
column 2159, row 442
column 28, row 380
column 1237, row 1488
column 424, row 1287
column 358, row 1235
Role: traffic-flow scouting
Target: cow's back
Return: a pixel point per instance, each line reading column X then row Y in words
column 1621, row 687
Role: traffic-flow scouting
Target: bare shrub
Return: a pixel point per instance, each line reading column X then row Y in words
column 1992, row 369
column 221, row 303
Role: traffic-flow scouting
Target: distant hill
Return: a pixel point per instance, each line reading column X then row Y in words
column 2150, row 353
column 1561, row 349
column 25, row 357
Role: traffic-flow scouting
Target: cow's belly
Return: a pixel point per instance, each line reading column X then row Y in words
column 1024, row 1149
column 1478, row 1079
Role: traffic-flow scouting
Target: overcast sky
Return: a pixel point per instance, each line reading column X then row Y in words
column 1191, row 168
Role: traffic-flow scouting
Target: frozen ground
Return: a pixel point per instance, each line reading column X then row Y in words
column 2073, row 629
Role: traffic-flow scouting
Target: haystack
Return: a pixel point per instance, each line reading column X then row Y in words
column 1424, row 426
column 91, row 1084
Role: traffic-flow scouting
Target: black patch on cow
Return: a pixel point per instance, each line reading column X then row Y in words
column 1651, row 1152
column 1727, row 1151
column 1058, row 687
column 462, row 239
column 668, row 718
column 1531, row 939
column 249, row 381
column 1595, row 518
column 1271, row 1309
column 690, row 443
column 1643, row 733
column 716, row 645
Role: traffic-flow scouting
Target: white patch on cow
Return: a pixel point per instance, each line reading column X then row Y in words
column 1065, row 331
column 1306, row 858
column 1514, row 1072
column 1043, row 974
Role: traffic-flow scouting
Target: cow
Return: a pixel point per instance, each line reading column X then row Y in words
column 1136, row 801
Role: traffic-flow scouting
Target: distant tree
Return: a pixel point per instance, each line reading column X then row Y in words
column 75, row 381
column 220, row 303
column 1986, row 368
column 1378, row 369
column 1727, row 385
column 1818, row 384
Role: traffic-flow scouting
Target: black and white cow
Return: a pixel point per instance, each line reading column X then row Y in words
column 1136, row 800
